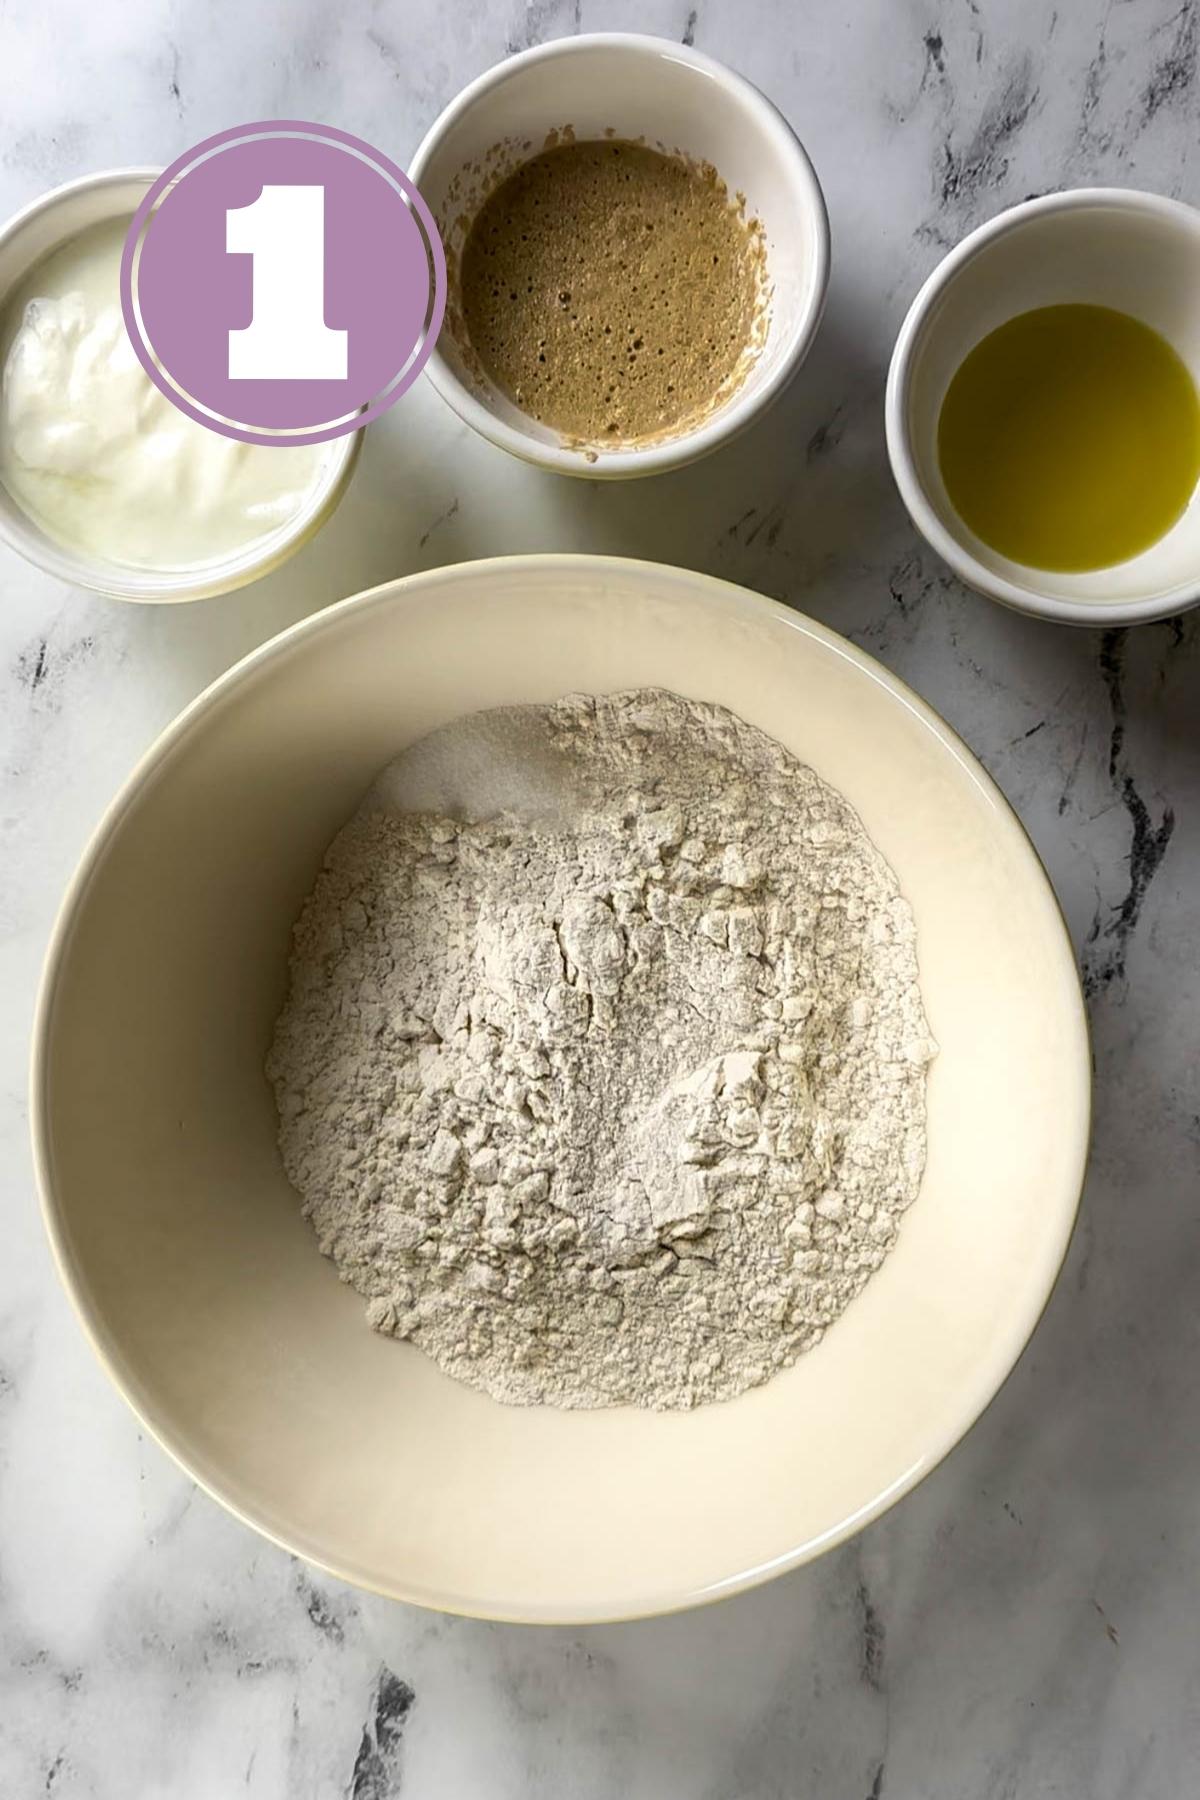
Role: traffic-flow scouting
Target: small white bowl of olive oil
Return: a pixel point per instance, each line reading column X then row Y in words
column 1043, row 416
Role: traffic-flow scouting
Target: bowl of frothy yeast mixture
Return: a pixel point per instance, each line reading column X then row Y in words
column 1043, row 415
column 637, row 250
column 560, row 1138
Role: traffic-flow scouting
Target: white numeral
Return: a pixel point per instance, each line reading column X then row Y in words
column 287, row 338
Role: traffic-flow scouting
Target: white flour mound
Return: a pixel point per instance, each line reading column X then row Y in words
column 602, row 1072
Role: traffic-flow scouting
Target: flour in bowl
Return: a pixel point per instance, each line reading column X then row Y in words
column 602, row 1071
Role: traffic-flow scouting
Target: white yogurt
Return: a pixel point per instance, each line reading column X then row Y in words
column 101, row 459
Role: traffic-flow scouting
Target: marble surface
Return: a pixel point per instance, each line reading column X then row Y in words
column 1024, row 1624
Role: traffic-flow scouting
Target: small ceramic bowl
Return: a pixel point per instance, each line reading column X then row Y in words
column 25, row 241
column 1138, row 253
column 676, row 99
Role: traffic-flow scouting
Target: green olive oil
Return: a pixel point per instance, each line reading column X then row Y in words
column 1069, row 438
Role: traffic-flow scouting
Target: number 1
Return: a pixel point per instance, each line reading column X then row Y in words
column 287, row 338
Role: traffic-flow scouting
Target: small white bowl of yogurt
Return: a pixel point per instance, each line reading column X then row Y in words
column 103, row 482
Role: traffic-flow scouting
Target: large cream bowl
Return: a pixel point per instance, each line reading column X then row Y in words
column 201, row 1286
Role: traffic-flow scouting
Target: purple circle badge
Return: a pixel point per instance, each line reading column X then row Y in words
column 283, row 283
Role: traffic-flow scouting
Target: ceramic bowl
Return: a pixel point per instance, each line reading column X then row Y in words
column 27, row 240
column 201, row 1285
column 1138, row 253
column 679, row 99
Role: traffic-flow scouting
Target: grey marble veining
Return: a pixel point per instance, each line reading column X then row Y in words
column 1024, row 1624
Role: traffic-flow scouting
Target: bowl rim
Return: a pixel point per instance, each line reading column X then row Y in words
column 752, row 607
column 66, row 562
column 742, row 410
column 951, row 548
